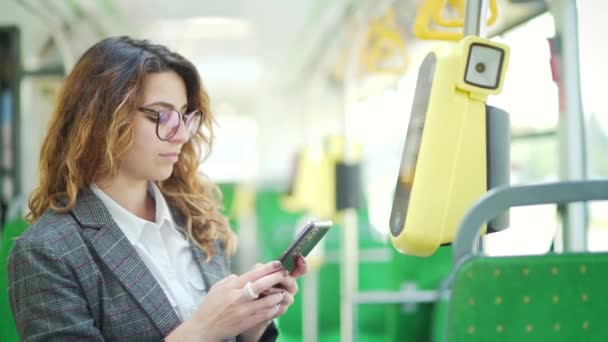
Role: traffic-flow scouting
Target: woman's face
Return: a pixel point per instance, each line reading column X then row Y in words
column 150, row 158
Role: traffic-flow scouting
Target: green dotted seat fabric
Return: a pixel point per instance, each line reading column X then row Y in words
column 555, row 297
column 439, row 317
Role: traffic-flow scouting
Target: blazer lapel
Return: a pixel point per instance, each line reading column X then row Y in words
column 120, row 257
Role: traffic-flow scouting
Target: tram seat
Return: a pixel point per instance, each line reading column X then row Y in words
column 551, row 297
column 8, row 331
column 555, row 297
column 415, row 323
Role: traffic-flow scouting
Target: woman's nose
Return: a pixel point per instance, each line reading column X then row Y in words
column 182, row 135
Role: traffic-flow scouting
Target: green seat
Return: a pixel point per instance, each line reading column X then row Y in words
column 11, row 230
column 553, row 297
column 373, row 276
column 438, row 320
column 415, row 324
column 556, row 297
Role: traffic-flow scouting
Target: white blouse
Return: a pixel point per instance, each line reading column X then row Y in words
column 164, row 250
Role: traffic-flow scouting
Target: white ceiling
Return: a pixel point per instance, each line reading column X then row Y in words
column 257, row 42
column 267, row 60
column 260, row 41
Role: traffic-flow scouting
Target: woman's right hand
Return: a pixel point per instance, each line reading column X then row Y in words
column 227, row 310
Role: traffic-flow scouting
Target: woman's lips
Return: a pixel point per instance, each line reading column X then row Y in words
column 172, row 157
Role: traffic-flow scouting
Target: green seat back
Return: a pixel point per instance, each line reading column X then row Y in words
column 415, row 323
column 439, row 320
column 11, row 230
column 555, row 297
column 373, row 276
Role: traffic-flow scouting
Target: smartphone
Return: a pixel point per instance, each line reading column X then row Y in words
column 306, row 240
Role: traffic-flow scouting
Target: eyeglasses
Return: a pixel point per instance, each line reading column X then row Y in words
column 168, row 121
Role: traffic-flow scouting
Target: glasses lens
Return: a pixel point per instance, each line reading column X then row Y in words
column 194, row 121
column 168, row 124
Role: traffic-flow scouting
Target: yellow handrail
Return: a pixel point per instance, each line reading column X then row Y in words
column 460, row 7
column 430, row 15
column 383, row 42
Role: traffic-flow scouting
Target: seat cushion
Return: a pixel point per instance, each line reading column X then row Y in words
column 555, row 297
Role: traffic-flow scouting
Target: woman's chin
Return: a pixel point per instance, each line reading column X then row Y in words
column 163, row 174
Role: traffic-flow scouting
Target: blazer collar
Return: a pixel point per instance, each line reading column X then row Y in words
column 115, row 250
column 120, row 256
column 90, row 211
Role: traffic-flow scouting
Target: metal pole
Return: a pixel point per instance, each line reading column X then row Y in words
column 571, row 130
column 16, row 115
column 349, row 258
column 475, row 25
column 349, row 277
column 498, row 157
column 310, row 309
column 475, row 18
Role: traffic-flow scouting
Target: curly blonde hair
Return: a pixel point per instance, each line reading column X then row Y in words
column 92, row 128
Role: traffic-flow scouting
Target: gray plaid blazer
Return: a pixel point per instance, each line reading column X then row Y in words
column 75, row 276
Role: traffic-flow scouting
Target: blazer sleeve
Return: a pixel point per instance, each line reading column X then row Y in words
column 46, row 299
column 270, row 334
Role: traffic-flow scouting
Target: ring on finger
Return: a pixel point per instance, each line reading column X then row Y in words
column 249, row 292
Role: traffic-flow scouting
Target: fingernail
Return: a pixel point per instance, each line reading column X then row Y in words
column 277, row 306
column 285, row 273
column 303, row 260
column 276, row 264
column 283, row 294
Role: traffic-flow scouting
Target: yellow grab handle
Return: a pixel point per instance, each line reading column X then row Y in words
column 460, row 7
column 383, row 43
column 430, row 15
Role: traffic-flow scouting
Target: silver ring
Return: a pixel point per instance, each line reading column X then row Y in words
column 249, row 291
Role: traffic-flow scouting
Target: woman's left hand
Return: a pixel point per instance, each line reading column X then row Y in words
column 289, row 287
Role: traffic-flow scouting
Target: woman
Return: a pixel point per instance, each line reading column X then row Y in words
column 128, row 241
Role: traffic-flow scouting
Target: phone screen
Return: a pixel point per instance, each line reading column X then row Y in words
column 306, row 240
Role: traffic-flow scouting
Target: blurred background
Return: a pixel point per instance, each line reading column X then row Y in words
column 295, row 83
